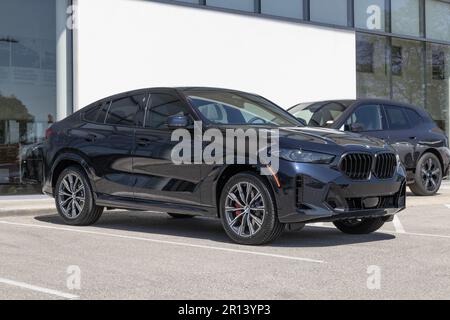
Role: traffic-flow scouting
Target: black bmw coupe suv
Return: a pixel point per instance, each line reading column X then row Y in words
column 117, row 153
column 420, row 143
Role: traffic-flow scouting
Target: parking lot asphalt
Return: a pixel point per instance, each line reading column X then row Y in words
column 136, row 255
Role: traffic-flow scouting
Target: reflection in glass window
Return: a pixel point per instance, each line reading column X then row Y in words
column 407, row 72
column 438, row 84
column 396, row 118
column 122, row 112
column 368, row 117
column 329, row 11
column 438, row 20
column 285, row 8
column 371, row 66
column 27, row 81
column 243, row 5
column 190, row 1
column 370, row 14
column 163, row 106
column 406, row 17
column 5, row 53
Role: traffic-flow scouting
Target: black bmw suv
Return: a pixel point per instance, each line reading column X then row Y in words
column 117, row 153
column 420, row 143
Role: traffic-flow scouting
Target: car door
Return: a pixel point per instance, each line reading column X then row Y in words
column 158, row 179
column 402, row 136
column 370, row 120
column 107, row 141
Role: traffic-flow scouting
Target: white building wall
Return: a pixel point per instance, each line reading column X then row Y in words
column 122, row 45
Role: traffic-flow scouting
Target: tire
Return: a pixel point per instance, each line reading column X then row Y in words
column 360, row 226
column 81, row 210
column 180, row 216
column 428, row 176
column 256, row 226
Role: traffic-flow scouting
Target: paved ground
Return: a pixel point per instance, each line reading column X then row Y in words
column 151, row 256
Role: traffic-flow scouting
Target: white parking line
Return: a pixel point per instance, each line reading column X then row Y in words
column 448, row 206
column 39, row 289
column 398, row 225
column 256, row 253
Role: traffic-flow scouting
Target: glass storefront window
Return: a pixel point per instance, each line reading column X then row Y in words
column 27, row 80
column 406, row 17
column 286, row 8
column 372, row 68
column 190, row 1
column 243, row 5
column 438, row 20
column 329, row 11
column 370, row 14
column 407, row 68
column 438, row 84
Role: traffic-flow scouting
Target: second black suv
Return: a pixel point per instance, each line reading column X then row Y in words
column 420, row 143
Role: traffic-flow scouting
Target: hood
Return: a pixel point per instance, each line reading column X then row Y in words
column 329, row 140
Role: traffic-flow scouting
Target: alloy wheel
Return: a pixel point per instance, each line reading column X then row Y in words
column 430, row 174
column 71, row 196
column 245, row 209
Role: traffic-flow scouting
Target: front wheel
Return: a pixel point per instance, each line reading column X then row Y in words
column 428, row 177
column 248, row 211
column 360, row 226
column 74, row 198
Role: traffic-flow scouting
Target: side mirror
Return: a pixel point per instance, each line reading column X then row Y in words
column 356, row 127
column 177, row 122
column 302, row 121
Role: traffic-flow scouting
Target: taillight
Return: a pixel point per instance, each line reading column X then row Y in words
column 48, row 133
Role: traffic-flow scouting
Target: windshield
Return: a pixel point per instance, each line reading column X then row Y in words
column 320, row 114
column 232, row 108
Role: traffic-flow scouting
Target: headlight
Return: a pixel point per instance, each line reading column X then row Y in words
column 304, row 156
column 399, row 161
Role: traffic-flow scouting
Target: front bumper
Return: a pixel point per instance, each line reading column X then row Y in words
column 320, row 193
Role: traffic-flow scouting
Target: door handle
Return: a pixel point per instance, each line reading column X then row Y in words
column 144, row 142
column 91, row 137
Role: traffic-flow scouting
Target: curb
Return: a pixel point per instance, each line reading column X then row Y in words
column 27, row 212
column 21, row 206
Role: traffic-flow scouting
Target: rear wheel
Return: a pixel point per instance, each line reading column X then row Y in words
column 360, row 226
column 248, row 210
column 74, row 198
column 428, row 177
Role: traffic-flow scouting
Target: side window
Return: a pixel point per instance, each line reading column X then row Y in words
column 102, row 112
column 123, row 111
column 414, row 118
column 396, row 118
column 369, row 117
column 92, row 114
column 161, row 107
column 214, row 112
column 327, row 115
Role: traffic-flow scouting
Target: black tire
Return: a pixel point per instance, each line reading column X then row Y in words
column 262, row 219
column 428, row 176
column 90, row 212
column 180, row 216
column 360, row 226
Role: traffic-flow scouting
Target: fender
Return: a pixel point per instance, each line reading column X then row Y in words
column 74, row 156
